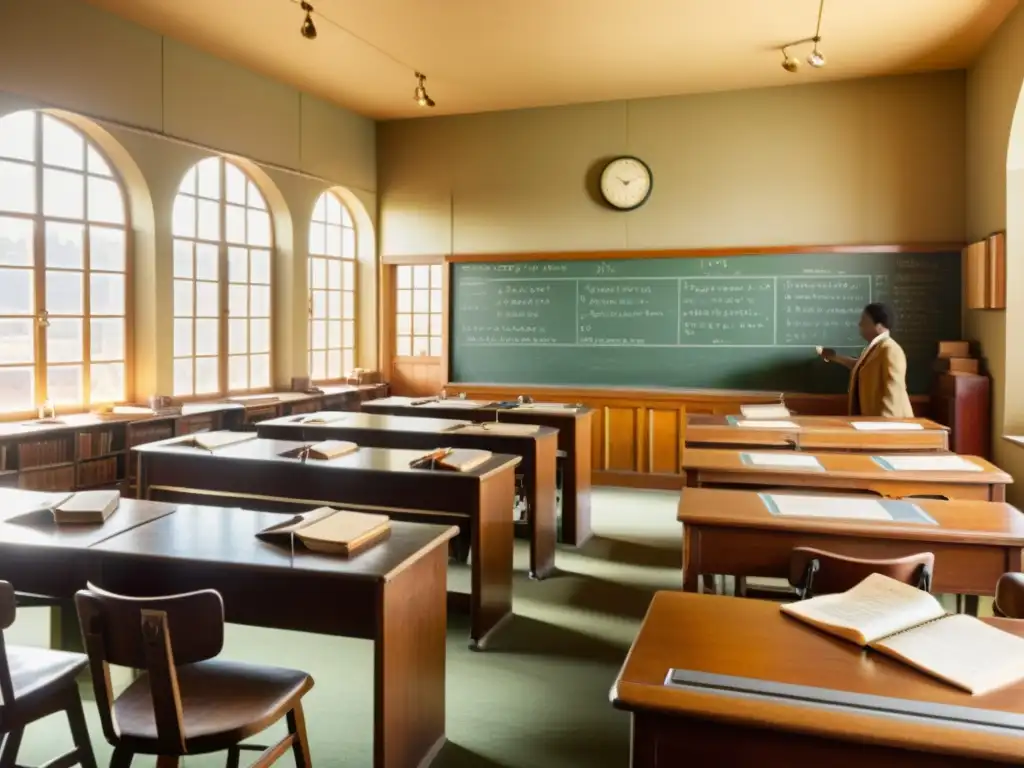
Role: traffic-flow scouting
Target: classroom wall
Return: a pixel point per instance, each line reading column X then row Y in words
column 864, row 161
column 995, row 201
column 158, row 106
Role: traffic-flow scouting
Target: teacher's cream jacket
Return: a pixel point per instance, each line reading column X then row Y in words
column 878, row 385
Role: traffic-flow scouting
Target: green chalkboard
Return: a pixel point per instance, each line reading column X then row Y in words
column 742, row 322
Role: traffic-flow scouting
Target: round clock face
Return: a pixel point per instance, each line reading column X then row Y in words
column 626, row 183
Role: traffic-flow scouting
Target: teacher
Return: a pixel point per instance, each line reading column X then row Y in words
column 878, row 378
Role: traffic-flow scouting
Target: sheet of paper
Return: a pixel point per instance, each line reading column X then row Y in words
column 827, row 506
column 767, row 424
column 783, row 459
column 887, row 426
column 773, row 411
column 455, row 403
column 929, row 463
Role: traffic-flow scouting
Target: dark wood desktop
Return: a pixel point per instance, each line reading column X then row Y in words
column 383, row 431
column 256, row 475
column 575, row 438
column 392, row 593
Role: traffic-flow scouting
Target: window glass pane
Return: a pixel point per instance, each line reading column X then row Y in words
column 404, row 303
column 62, row 145
column 238, row 300
column 319, row 304
column 16, row 343
column 209, row 178
column 64, row 384
column 65, row 245
column 238, row 372
column 18, row 136
column 260, row 335
column 334, row 334
column 107, row 249
column 105, row 202
column 16, row 241
column 348, row 305
column 317, row 239
column 64, row 293
column 334, row 364
column 183, row 376
column 259, row 301
column 183, row 298
column 346, row 217
column 348, row 362
column 208, row 226
column 182, row 258
column 319, row 334
column 106, row 339
column 435, row 302
column 404, row 324
column 182, row 337
column 207, row 304
column 403, row 275
column 106, row 382
column 334, row 240
column 64, row 340
column 421, row 325
column 206, row 375
column 63, row 194
column 17, row 389
column 259, row 267
column 206, row 337
column 238, row 336
column 421, row 301
column 318, row 365
column 334, row 304
column 106, row 293
column 207, row 257
column 435, row 275
column 318, row 278
column 319, row 209
column 235, row 183
column 333, row 208
column 349, row 334
column 348, row 242
column 420, row 346
column 184, row 217
column 259, row 371
column 238, row 265
column 234, row 224
column 403, row 346
column 17, row 187
column 435, row 347
column 348, row 271
column 333, row 274
column 259, row 228
column 253, row 197
column 435, row 325
column 95, row 163
column 16, row 297
column 188, row 182
column 421, row 276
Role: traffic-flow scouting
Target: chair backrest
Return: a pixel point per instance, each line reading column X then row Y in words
column 1009, row 601
column 817, row 572
column 8, row 609
column 154, row 634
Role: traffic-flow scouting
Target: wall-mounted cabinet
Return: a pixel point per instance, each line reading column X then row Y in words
column 985, row 273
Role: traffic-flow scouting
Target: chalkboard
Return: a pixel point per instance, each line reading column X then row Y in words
column 740, row 322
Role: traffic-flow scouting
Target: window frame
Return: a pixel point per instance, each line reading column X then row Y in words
column 38, row 269
column 430, row 313
column 223, row 285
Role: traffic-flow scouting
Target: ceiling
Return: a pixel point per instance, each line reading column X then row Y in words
column 483, row 55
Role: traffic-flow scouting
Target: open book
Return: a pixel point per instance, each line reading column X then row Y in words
column 910, row 625
column 320, row 417
column 498, row 428
column 768, row 411
column 214, row 440
column 79, row 508
column 456, row 459
column 331, row 531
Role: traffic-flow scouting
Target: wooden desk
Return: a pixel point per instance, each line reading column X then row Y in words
column 382, row 431
column 674, row 726
column 844, row 472
column 814, row 433
column 255, row 474
column 392, row 594
column 574, row 427
column 732, row 532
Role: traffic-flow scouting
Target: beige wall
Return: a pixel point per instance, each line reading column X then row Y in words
column 158, row 107
column 867, row 161
column 993, row 92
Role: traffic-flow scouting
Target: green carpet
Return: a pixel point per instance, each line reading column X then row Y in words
column 538, row 698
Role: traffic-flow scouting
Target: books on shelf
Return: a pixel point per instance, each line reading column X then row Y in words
column 910, row 625
column 330, row 449
column 455, row 459
column 331, row 531
column 211, row 441
column 765, row 411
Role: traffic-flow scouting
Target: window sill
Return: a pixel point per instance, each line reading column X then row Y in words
column 1017, row 440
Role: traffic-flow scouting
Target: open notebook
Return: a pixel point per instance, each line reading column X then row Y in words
column 211, row 441
column 455, row 459
column 79, row 508
column 910, row 625
column 331, row 531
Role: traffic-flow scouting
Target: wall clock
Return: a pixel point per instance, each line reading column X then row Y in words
column 626, row 183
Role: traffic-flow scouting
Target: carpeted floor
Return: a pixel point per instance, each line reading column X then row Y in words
column 537, row 699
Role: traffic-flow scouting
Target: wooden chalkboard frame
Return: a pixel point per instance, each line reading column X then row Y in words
column 667, row 253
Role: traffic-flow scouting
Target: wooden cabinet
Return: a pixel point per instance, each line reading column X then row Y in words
column 984, row 273
column 962, row 401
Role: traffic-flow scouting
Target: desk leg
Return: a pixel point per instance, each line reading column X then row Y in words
column 491, row 567
column 540, row 491
column 409, row 664
column 576, row 484
column 691, row 576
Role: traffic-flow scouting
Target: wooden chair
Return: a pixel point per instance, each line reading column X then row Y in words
column 1009, row 602
column 816, row 572
column 185, row 702
column 35, row 683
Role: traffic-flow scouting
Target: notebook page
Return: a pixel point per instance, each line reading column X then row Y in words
column 775, row 411
column 887, row 426
column 797, row 460
column 827, row 506
column 767, row 424
column 961, row 650
column 875, row 608
column 928, row 462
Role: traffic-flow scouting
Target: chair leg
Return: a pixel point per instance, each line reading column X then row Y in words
column 121, row 758
column 234, row 755
column 80, row 732
column 9, row 750
column 297, row 727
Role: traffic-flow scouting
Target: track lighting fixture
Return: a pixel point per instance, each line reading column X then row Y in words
column 420, row 94
column 815, row 58
column 308, row 28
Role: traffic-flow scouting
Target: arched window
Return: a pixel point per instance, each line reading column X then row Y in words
column 222, row 244
column 63, row 268
column 332, row 290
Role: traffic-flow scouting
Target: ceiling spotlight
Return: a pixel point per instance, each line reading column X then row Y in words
column 816, row 58
column 420, row 94
column 308, row 28
column 788, row 62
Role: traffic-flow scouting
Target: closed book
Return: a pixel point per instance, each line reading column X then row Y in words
column 86, row 507
column 331, row 449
